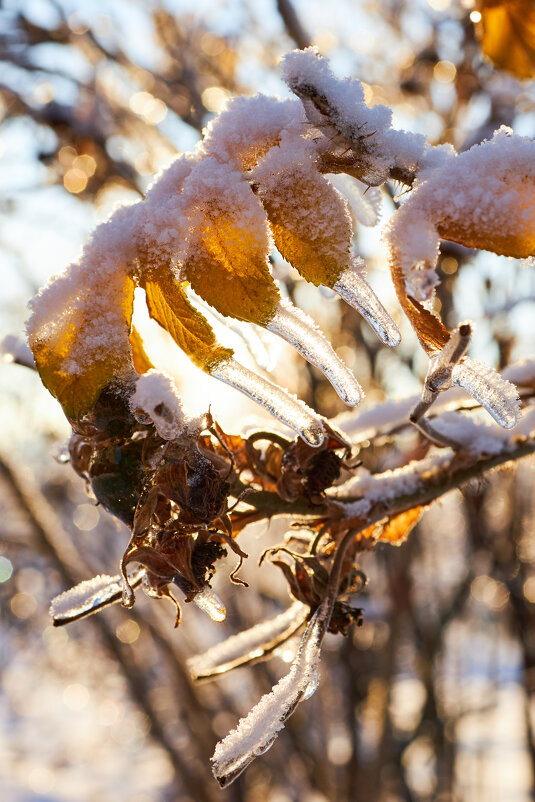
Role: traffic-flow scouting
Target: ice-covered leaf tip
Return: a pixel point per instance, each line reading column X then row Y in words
column 210, row 222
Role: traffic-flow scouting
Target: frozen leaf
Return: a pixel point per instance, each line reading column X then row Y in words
column 80, row 340
column 279, row 402
column 90, row 596
column 251, row 644
column 498, row 396
column 309, row 218
column 226, row 257
column 299, row 330
column 507, row 30
column 256, row 733
column 169, row 306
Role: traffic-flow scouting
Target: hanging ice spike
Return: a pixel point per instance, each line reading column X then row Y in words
column 355, row 290
column 279, row 402
column 297, row 328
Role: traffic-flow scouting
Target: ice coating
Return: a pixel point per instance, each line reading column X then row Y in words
column 209, row 602
column 157, row 395
column 297, row 328
column 248, row 644
column 279, row 402
column 497, row 395
column 90, row 596
column 355, row 290
column 258, row 730
column 365, row 202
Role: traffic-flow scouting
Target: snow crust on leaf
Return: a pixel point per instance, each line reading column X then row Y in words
column 248, row 644
column 90, row 596
column 287, row 408
column 249, row 126
column 256, row 733
column 299, row 330
column 156, row 394
column 497, row 395
column 484, row 198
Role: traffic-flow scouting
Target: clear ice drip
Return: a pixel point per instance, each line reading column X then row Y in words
column 498, row 396
column 355, row 290
column 90, row 596
column 256, row 733
column 249, row 644
column 209, row 602
column 297, row 328
column 279, row 402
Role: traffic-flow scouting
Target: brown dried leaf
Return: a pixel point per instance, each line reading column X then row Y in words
column 507, row 32
column 400, row 526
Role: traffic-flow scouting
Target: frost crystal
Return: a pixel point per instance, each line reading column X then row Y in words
column 299, row 330
column 281, row 404
column 90, row 596
column 158, row 397
column 498, row 396
column 256, row 733
column 249, row 644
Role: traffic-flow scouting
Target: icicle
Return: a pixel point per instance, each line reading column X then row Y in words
column 279, row 402
column 258, row 730
column 355, row 290
column 209, row 602
column 250, row 644
column 89, row 596
column 364, row 201
column 297, row 328
column 498, row 396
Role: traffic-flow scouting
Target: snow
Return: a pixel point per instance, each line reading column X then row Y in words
column 299, row 330
column 248, row 644
column 256, row 733
column 14, row 349
column 156, row 394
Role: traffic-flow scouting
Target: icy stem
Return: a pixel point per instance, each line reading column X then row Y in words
column 297, row 328
column 89, row 596
column 498, row 396
column 355, row 290
column 258, row 730
column 250, row 644
column 209, row 602
column 279, row 402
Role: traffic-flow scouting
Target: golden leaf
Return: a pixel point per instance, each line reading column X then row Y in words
column 400, row 526
column 75, row 361
column 317, row 240
column 169, row 306
column 507, row 32
column 141, row 361
column 229, row 269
